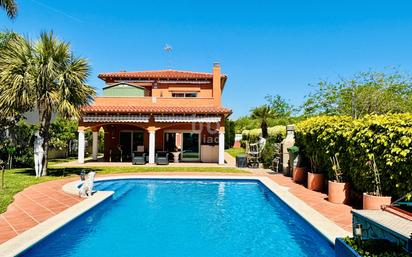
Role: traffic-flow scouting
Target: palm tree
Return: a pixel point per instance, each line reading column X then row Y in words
column 45, row 76
column 10, row 7
column 263, row 113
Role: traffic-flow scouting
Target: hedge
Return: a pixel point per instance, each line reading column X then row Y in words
column 253, row 134
column 386, row 137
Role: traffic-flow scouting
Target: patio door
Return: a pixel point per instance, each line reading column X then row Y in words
column 130, row 141
column 190, row 147
column 125, row 141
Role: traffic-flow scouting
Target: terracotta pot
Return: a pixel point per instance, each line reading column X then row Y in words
column 299, row 175
column 338, row 192
column 315, row 181
column 372, row 202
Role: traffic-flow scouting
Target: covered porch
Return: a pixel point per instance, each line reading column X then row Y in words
column 185, row 138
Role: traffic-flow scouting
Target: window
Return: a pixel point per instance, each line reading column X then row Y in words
column 190, row 94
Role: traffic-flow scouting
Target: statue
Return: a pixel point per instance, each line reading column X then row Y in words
column 262, row 142
column 38, row 154
column 86, row 189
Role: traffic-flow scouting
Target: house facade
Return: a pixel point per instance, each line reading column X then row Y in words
column 179, row 112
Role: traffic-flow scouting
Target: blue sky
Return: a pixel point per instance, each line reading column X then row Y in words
column 265, row 47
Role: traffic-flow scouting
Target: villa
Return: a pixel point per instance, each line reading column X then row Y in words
column 172, row 111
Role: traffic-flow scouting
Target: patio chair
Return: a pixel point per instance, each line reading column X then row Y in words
column 253, row 155
column 162, row 158
column 115, row 155
column 138, row 158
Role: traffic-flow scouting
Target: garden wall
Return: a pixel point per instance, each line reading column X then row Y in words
column 387, row 137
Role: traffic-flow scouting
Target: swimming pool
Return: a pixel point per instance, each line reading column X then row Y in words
column 165, row 217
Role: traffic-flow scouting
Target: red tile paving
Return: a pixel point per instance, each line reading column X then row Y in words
column 338, row 213
column 33, row 205
column 39, row 202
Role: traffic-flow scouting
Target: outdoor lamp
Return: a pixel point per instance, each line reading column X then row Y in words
column 358, row 230
column 82, row 175
column 358, row 233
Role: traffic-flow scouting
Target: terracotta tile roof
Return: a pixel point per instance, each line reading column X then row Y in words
column 158, row 74
column 154, row 109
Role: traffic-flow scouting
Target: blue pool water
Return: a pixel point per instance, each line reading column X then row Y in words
column 193, row 218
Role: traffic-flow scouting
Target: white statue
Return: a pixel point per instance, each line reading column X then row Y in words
column 38, row 154
column 262, row 142
column 86, row 189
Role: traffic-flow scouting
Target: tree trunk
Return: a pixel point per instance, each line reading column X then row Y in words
column 45, row 118
column 264, row 127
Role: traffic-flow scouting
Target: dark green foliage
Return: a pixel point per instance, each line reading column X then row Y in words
column 229, row 133
column 365, row 93
column 376, row 248
column 281, row 108
column 61, row 132
column 19, row 143
column 263, row 113
column 17, row 146
column 271, row 148
column 276, row 112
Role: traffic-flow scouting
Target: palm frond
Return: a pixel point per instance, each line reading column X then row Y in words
column 10, row 7
column 16, row 91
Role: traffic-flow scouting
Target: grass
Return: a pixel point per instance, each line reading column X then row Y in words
column 15, row 181
column 235, row 151
column 18, row 179
column 61, row 160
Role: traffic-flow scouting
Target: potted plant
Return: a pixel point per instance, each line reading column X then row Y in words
column 315, row 177
column 338, row 191
column 300, row 172
column 375, row 200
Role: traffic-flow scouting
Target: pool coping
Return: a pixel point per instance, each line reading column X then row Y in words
column 18, row 244
column 28, row 238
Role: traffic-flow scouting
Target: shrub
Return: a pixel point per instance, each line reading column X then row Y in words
column 17, row 144
column 386, row 137
column 229, row 133
column 376, row 248
column 321, row 137
column 253, row 134
column 272, row 146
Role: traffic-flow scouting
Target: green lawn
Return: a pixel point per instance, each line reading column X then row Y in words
column 235, row 151
column 15, row 181
column 61, row 160
column 18, row 179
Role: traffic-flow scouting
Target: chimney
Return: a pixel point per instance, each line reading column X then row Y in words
column 217, row 89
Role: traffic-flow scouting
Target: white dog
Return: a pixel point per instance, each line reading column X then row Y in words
column 87, row 188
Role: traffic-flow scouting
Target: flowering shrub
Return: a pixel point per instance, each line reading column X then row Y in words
column 252, row 135
column 355, row 141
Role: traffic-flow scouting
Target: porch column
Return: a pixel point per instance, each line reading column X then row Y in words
column 95, row 145
column 222, row 145
column 80, row 146
column 152, row 143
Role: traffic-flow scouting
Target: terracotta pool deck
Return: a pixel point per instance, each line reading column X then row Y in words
column 39, row 202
